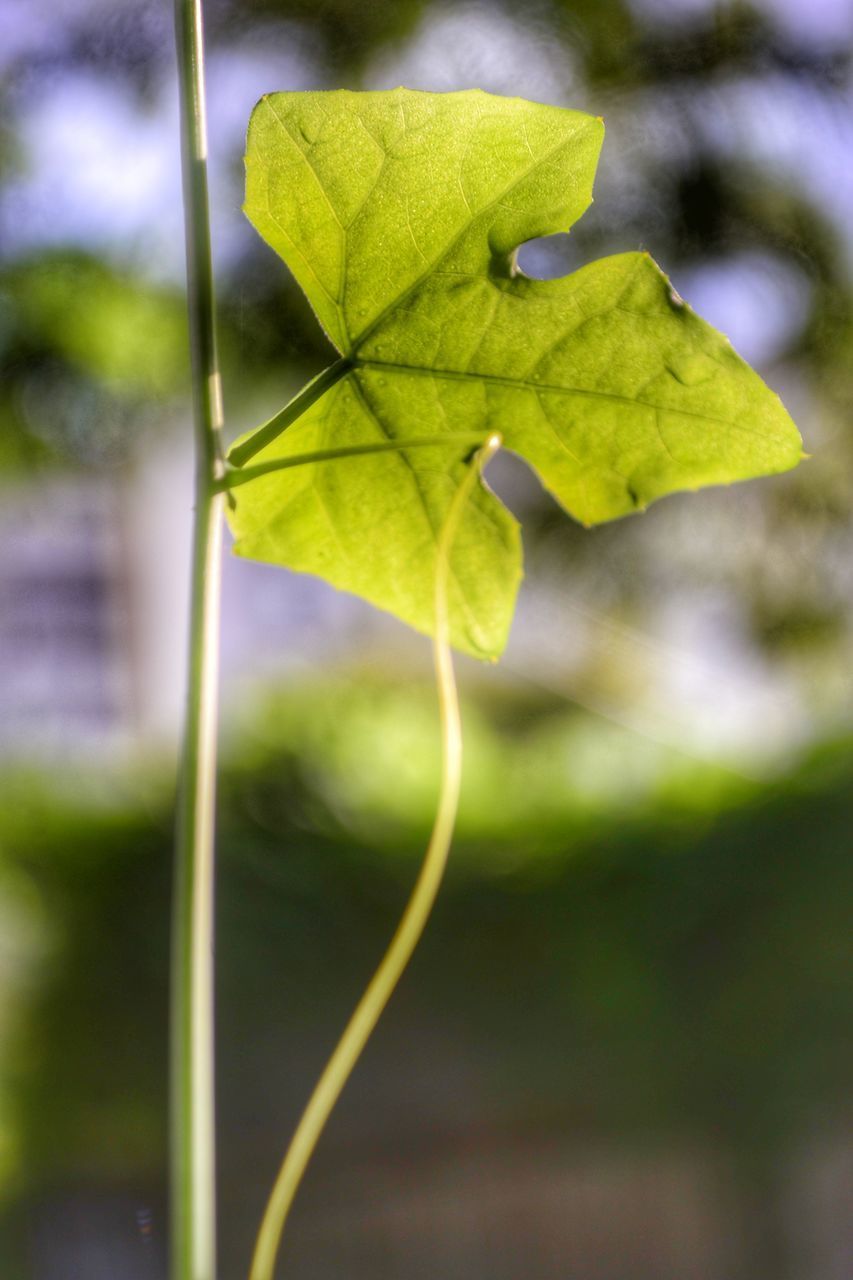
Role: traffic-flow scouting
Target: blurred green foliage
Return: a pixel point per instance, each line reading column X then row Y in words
column 683, row 960
column 89, row 354
column 348, row 33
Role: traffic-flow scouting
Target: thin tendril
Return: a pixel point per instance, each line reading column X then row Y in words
column 235, row 477
column 418, row 908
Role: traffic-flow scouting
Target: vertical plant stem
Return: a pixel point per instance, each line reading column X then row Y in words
column 193, row 1200
column 369, row 1009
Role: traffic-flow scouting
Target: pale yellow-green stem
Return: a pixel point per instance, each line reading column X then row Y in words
column 193, row 1195
column 372, row 1003
column 235, row 478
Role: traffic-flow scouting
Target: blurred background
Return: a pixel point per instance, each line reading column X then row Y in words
column 624, row 1048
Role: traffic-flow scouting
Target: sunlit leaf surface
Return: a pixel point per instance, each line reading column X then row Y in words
column 400, row 214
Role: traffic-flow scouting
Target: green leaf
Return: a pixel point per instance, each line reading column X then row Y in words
column 400, row 214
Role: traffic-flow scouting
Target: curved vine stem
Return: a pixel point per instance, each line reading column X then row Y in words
column 418, row 908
